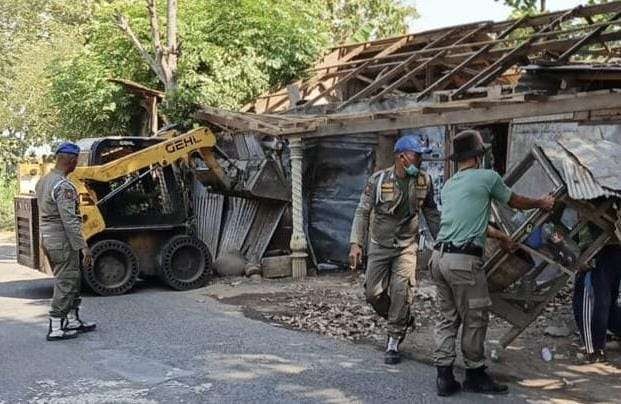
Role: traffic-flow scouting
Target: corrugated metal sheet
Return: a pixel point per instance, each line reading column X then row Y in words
column 580, row 182
column 240, row 214
column 602, row 159
column 208, row 208
column 263, row 228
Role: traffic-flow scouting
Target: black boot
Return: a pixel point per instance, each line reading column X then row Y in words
column 477, row 381
column 445, row 382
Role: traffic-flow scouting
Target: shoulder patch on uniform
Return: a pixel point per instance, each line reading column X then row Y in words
column 66, row 190
column 69, row 194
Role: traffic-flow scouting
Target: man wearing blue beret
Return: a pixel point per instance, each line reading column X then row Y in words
column 386, row 226
column 61, row 237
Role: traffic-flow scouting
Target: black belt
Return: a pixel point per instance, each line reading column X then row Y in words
column 467, row 249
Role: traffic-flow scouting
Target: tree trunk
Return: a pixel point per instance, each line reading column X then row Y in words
column 543, row 6
column 171, row 33
column 164, row 60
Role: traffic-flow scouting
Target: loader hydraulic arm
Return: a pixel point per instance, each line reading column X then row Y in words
column 181, row 148
column 199, row 140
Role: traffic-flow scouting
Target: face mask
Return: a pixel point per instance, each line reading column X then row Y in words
column 411, row 170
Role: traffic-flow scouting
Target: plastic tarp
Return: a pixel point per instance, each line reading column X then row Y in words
column 335, row 172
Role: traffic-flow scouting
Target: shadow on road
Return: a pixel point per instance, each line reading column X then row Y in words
column 27, row 289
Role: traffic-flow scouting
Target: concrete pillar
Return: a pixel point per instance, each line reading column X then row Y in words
column 298, row 238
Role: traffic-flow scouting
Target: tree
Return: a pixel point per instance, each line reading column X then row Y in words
column 164, row 61
column 364, row 20
column 526, row 6
column 34, row 34
column 59, row 55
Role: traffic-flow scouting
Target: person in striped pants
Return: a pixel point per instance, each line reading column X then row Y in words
column 596, row 302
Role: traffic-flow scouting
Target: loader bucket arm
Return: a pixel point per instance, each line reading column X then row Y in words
column 180, row 148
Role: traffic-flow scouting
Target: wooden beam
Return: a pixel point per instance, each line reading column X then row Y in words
column 392, row 48
column 397, row 83
column 404, row 119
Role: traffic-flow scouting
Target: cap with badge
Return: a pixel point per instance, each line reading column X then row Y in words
column 411, row 143
column 68, row 148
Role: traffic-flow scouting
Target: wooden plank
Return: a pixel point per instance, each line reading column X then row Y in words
column 341, row 125
column 507, row 311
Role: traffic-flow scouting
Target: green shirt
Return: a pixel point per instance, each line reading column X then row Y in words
column 467, row 205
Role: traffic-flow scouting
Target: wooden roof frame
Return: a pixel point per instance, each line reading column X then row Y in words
column 455, row 58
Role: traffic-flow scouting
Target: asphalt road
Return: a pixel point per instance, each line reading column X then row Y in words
column 155, row 345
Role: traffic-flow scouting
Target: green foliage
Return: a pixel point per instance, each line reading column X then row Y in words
column 364, row 20
column 231, row 51
column 7, row 192
column 61, row 53
column 524, row 6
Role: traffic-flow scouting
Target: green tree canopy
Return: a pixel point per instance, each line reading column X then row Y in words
column 64, row 51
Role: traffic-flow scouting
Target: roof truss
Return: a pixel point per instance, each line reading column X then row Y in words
column 454, row 59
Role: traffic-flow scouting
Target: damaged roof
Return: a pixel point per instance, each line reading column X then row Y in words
column 589, row 169
column 455, row 60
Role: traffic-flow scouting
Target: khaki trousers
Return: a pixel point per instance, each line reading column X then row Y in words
column 463, row 300
column 65, row 265
column 389, row 278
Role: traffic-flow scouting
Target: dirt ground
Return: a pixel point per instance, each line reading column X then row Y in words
column 334, row 305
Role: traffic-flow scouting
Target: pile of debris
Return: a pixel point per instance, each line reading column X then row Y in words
column 343, row 312
column 335, row 313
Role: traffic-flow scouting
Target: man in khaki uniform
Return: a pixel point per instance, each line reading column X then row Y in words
column 386, row 221
column 462, row 293
column 62, row 241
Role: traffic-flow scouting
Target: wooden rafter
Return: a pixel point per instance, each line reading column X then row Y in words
column 394, row 72
column 452, row 59
column 501, row 64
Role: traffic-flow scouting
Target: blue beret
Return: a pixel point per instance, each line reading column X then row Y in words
column 413, row 143
column 68, row 148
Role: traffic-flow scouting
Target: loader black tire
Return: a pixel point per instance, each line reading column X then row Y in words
column 114, row 270
column 185, row 263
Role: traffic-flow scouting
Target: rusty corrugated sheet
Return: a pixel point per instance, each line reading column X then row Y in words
column 601, row 158
column 263, row 228
column 580, row 182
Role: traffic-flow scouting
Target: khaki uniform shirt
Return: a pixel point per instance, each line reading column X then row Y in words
column 381, row 217
column 59, row 217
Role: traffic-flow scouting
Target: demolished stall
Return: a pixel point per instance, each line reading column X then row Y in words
column 549, row 78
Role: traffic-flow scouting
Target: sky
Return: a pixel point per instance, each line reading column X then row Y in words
column 444, row 13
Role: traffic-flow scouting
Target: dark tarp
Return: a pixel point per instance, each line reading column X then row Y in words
column 335, row 172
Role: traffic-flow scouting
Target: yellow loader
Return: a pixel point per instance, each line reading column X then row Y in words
column 136, row 209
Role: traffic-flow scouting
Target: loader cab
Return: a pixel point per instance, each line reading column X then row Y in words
column 154, row 197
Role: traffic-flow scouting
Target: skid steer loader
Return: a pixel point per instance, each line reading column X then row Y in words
column 135, row 202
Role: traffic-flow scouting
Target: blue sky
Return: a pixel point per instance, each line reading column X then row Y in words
column 443, row 13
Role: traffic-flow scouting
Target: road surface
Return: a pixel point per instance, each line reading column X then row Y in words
column 155, row 345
